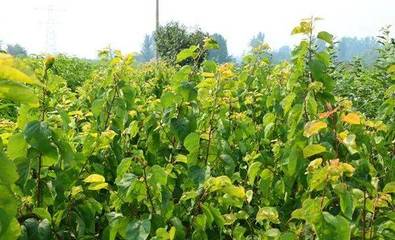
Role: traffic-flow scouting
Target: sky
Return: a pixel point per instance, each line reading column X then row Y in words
column 82, row 27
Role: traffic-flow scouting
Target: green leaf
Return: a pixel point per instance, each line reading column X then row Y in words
column 346, row 200
column 286, row 103
column 18, row 93
column 167, row 99
column 8, row 172
column 235, row 191
column 318, row 70
column 294, row 160
column 38, row 135
column 333, row 228
column 187, row 53
column 42, row 213
column 138, row 230
column 97, row 107
column 200, row 221
column 8, row 202
column 253, row 172
column 17, row 146
column 311, row 105
column 44, row 230
column 325, row 36
column 13, row 74
column 310, row 211
column 218, row 218
column 123, row 167
column 318, row 179
column 313, row 149
column 192, row 142
column 389, row 187
column 267, row 213
column 158, row 175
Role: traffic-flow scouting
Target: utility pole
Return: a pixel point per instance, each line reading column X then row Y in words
column 157, row 15
column 157, row 27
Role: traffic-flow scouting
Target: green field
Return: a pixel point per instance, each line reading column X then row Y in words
column 194, row 149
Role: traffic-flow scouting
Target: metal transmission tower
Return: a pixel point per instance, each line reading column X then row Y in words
column 50, row 23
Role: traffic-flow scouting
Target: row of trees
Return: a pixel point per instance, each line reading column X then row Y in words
column 15, row 50
column 174, row 37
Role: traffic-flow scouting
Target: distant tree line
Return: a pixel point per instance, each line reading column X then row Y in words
column 15, row 50
column 173, row 37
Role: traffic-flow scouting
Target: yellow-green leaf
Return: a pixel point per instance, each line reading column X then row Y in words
column 234, row 191
column 18, row 92
column 391, row 69
column 13, row 74
column 95, row 178
column 75, row 190
column 313, row 149
column 313, row 127
column 389, row 187
column 98, row 186
column 268, row 213
column 352, row 118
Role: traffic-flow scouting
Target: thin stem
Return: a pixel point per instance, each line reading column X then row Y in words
column 43, row 113
column 364, row 217
column 148, row 190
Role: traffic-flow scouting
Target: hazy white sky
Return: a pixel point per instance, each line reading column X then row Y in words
column 84, row 26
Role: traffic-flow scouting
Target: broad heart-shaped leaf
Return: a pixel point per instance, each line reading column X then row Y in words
column 318, row 179
column 325, row 36
column 310, row 211
column 18, row 92
column 8, row 172
column 333, row 227
column 352, row 118
column 138, row 230
column 168, row 99
column 318, row 70
column 17, row 146
column 234, row 191
column 187, row 53
column 313, row 127
column 346, row 200
column 158, row 175
column 13, row 74
column 97, row 107
column 389, row 187
column 267, row 213
column 95, row 178
column 217, row 183
column 192, row 142
column 38, row 135
column 313, row 149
